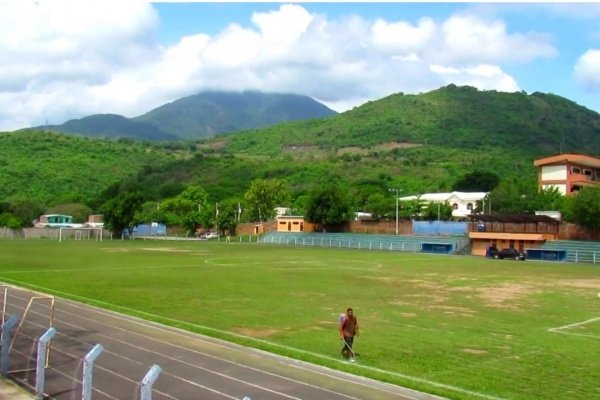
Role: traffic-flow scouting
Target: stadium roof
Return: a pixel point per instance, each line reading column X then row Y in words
column 514, row 218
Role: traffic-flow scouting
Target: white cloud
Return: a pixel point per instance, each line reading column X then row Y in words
column 469, row 38
column 587, row 70
column 66, row 60
column 481, row 76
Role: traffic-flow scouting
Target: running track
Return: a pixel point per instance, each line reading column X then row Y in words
column 194, row 367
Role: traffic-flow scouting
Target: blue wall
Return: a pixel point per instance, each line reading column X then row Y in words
column 439, row 228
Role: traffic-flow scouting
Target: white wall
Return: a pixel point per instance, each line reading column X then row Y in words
column 554, row 172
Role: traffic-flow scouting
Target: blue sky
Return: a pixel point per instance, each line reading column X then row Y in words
column 64, row 60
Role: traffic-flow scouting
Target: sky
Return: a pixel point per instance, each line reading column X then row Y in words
column 61, row 60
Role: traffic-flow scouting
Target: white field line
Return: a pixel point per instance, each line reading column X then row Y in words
column 210, row 262
column 574, row 325
column 265, row 342
column 564, row 329
column 577, row 334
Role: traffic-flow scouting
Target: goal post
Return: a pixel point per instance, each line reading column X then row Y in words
column 36, row 315
column 90, row 233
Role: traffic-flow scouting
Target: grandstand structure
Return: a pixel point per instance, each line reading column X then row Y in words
column 576, row 250
column 404, row 243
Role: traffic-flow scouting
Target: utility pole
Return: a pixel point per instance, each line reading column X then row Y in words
column 396, row 191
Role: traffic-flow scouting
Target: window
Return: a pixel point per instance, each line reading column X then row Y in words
column 575, row 170
column 470, row 206
column 587, row 172
column 454, row 206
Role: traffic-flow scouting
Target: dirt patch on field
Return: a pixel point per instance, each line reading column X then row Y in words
column 580, row 283
column 385, row 279
column 474, row 351
column 506, row 295
column 408, row 314
column 307, row 294
column 165, row 249
column 115, row 250
column 256, row 333
column 450, row 310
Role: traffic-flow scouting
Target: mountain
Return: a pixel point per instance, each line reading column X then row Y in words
column 452, row 117
column 201, row 115
column 211, row 113
column 419, row 143
column 111, row 126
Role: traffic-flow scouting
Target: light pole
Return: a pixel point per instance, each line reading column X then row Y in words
column 397, row 199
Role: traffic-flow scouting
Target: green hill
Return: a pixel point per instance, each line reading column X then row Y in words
column 453, row 117
column 111, row 126
column 201, row 115
column 418, row 143
column 50, row 167
column 210, row 113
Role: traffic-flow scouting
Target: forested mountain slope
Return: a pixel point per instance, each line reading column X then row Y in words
column 202, row 115
column 455, row 117
column 418, row 143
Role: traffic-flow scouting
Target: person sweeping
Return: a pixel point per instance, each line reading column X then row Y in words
column 348, row 329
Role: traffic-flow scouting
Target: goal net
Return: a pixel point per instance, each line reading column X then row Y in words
column 35, row 315
column 80, row 234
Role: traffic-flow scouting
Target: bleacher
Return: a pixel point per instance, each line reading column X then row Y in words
column 405, row 243
column 576, row 250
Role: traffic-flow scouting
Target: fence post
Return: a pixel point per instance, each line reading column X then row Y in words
column 6, row 332
column 40, row 375
column 148, row 381
column 88, row 364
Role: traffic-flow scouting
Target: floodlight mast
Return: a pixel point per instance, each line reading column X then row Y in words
column 396, row 191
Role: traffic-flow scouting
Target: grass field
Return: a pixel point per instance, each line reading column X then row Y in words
column 460, row 327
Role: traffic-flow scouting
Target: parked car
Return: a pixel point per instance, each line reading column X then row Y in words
column 508, row 253
column 210, row 235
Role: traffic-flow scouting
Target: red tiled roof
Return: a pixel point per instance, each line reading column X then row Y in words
column 580, row 159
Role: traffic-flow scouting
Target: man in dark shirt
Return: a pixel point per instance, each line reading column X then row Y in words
column 348, row 329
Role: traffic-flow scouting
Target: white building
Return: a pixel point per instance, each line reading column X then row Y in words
column 463, row 203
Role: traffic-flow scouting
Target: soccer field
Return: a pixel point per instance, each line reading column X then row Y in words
column 460, row 327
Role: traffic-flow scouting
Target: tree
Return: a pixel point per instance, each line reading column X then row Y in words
column 120, row 212
column 547, row 199
column 263, row 196
column 437, row 211
column 477, row 181
column 511, row 196
column 585, row 208
column 228, row 214
column 411, row 209
column 300, row 205
column 327, row 206
column 189, row 209
column 380, row 206
column 9, row 221
column 25, row 210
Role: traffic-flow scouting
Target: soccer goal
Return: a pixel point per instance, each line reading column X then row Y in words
column 79, row 234
column 36, row 314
